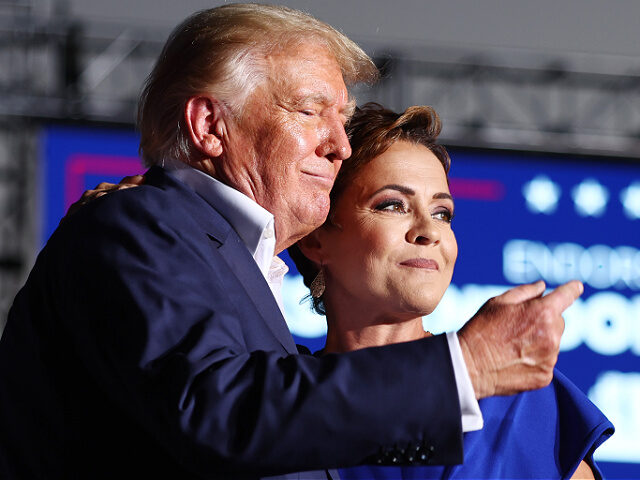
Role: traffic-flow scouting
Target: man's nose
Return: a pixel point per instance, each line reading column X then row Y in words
column 336, row 144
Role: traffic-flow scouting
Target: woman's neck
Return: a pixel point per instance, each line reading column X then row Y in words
column 347, row 334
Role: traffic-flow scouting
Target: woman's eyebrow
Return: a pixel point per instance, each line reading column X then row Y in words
column 441, row 195
column 395, row 186
column 410, row 191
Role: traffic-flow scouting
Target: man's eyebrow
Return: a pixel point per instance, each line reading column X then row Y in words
column 316, row 98
column 348, row 109
column 321, row 99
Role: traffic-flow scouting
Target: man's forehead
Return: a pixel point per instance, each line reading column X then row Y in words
column 307, row 61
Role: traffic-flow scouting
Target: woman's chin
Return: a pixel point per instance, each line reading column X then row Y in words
column 417, row 307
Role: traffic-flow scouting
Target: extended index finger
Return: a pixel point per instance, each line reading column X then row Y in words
column 522, row 293
column 563, row 296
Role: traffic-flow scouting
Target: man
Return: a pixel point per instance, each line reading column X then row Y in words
column 148, row 342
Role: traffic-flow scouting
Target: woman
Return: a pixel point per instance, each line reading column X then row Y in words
column 384, row 259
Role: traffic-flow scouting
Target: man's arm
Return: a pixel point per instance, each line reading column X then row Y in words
column 171, row 347
column 493, row 368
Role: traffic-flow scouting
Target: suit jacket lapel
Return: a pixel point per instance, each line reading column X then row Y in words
column 242, row 264
column 234, row 253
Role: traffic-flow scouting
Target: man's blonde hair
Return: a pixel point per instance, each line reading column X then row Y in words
column 222, row 52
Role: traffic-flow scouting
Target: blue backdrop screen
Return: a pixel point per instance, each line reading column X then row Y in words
column 520, row 217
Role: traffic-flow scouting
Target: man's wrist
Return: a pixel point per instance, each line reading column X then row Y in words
column 480, row 385
column 469, row 408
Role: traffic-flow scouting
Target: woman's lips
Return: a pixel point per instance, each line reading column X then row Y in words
column 425, row 263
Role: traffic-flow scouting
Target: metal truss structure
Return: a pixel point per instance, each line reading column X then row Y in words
column 580, row 104
column 57, row 69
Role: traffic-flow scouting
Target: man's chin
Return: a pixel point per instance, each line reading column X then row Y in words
column 307, row 218
column 318, row 210
column 313, row 218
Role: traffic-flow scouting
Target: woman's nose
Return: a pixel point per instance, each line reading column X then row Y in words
column 424, row 231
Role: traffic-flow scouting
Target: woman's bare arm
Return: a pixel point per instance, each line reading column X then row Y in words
column 583, row 472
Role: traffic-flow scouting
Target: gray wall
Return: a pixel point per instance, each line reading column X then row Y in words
column 585, row 26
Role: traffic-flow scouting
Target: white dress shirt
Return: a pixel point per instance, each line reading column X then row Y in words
column 255, row 227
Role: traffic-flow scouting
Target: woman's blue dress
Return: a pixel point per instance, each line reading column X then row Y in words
column 542, row 434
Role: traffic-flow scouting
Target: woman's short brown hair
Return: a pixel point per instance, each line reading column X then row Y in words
column 372, row 130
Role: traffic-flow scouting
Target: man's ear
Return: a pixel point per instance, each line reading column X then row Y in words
column 205, row 119
column 311, row 247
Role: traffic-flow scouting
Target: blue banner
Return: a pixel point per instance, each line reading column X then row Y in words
column 520, row 217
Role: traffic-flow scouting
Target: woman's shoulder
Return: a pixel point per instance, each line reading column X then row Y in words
column 560, row 395
column 558, row 423
column 543, row 433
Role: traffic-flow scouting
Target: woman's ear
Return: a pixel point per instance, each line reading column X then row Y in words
column 311, row 247
column 206, row 122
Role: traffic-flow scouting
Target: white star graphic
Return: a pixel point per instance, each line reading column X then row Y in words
column 590, row 198
column 541, row 195
column 630, row 198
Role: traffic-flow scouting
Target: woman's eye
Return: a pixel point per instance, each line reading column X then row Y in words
column 443, row 215
column 307, row 112
column 396, row 206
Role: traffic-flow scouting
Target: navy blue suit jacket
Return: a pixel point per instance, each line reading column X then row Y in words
column 146, row 344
